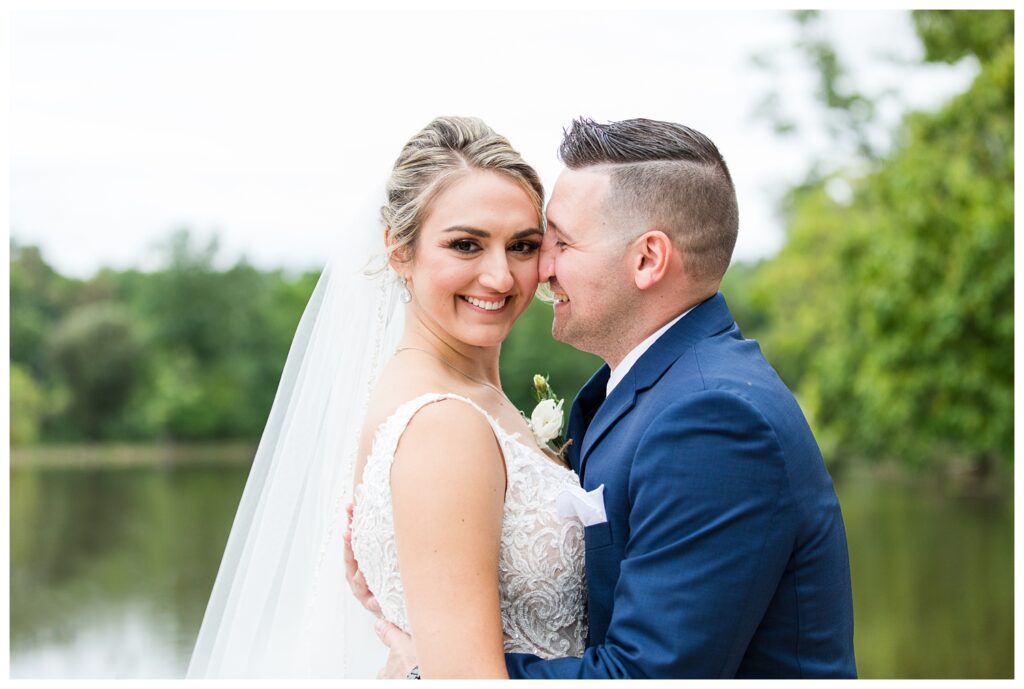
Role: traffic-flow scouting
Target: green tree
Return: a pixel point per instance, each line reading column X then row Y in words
column 195, row 352
column 750, row 316
column 892, row 314
column 26, row 406
column 39, row 297
column 95, row 351
column 185, row 299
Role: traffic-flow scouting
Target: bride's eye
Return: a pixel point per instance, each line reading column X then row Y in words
column 463, row 246
column 524, row 247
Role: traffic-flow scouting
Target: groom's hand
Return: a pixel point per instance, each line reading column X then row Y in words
column 355, row 578
column 402, row 652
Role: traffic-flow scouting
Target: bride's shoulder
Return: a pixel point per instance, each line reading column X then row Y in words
column 448, row 442
column 443, row 420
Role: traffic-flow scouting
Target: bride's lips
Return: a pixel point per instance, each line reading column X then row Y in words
column 486, row 304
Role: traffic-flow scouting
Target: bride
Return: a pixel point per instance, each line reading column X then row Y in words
column 391, row 396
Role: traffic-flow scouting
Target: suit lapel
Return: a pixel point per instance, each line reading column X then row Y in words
column 708, row 318
column 586, row 404
column 621, row 400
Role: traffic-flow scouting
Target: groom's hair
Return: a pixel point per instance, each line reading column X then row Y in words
column 665, row 176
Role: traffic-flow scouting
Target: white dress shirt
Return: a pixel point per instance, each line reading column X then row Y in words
column 620, row 371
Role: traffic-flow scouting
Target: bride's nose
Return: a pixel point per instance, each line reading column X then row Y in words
column 496, row 274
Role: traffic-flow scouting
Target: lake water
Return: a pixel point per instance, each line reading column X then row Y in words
column 111, row 569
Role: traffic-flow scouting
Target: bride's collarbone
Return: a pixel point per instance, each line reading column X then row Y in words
column 403, row 383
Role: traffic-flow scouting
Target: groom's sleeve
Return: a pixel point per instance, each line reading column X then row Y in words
column 709, row 538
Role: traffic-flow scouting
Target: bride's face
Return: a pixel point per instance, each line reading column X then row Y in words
column 475, row 266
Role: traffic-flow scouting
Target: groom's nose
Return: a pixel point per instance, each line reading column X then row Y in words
column 546, row 264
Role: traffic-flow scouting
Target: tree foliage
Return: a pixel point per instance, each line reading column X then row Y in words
column 892, row 314
column 187, row 352
column 96, row 352
column 26, row 406
column 949, row 36
column 39, row 296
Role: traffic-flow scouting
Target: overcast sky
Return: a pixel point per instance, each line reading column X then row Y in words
column 273, row 128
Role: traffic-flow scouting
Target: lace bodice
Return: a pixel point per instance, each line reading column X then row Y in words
column 540, row 562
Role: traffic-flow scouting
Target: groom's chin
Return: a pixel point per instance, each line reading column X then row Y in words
column 559, row 331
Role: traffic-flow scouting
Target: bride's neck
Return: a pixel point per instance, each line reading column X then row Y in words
column 480, row 363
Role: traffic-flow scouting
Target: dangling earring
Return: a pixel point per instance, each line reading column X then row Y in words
column 403, row 293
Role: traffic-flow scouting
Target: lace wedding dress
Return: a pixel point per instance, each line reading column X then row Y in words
column 540, row 562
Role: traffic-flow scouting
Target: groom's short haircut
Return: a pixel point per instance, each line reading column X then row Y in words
column 666, row 176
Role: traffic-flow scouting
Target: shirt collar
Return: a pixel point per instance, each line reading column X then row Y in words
column 620, row 371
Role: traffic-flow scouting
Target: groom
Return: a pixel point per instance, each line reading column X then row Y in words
column 724, row 552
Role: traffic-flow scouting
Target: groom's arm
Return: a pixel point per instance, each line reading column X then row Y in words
column 708, row 542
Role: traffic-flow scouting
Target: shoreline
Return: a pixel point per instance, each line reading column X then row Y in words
column 117, row 455
column 950, row 480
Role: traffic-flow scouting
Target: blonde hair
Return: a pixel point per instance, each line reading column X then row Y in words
column 433, row 159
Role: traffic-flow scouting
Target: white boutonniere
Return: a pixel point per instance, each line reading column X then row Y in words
column 546, row 421
column 547, row 417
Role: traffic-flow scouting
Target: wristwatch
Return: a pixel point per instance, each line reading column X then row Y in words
column 414, row 673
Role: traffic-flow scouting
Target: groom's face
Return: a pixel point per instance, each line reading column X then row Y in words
column 583, row 260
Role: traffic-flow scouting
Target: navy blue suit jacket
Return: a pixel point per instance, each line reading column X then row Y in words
column 724, row 553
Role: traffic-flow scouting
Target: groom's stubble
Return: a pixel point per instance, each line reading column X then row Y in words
column 603, row 328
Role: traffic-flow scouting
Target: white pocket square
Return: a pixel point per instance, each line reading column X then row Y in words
column 587, row 507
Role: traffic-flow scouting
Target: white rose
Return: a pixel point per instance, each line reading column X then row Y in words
column 546, row 421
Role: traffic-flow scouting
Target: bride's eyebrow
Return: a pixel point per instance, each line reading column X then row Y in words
column 484, row 234
column 527, row 233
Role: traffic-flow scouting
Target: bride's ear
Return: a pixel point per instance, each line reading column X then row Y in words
column 653, row 254
column 397, row 257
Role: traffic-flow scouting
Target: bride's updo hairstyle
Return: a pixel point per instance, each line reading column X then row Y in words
column 440, row 154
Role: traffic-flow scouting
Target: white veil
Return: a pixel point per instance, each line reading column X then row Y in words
column 281, row 606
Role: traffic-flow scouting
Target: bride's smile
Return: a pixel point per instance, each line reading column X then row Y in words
column 485, row 305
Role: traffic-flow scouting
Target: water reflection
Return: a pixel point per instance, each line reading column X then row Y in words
column 111, row 570
column 130, row 640
column 932, row 580
column 95, row 555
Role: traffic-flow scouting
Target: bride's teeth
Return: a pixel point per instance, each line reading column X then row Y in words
column 488, row 305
